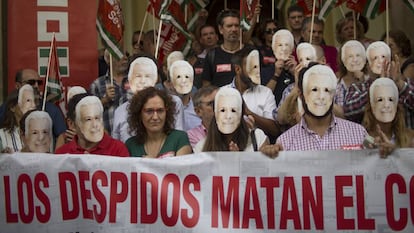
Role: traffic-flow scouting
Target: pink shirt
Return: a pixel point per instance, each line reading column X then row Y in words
column 196, row 134
column 341, row 134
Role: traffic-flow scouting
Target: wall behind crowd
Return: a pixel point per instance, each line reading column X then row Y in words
column 400, row 18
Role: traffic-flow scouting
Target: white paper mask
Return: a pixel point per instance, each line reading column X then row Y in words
column 142, row 74
column 26, row 97
column 182, row 76
column 91, row 122
column 282, row 44
column 319, row 84
column 384, row 99
column 353, row 56
column 228, row 109
column 377, row 53
column 38, row 132
column 306, row 53
column 253, row 66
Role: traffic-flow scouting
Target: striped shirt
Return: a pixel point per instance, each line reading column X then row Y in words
column 98, row 88
column 341, row 134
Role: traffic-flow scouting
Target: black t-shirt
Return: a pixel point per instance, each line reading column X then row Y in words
column 220, row 72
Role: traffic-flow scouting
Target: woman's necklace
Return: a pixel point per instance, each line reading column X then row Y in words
column 153, row 149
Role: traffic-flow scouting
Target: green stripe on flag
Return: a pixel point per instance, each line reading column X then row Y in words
column 410, row 4
column 44, row 52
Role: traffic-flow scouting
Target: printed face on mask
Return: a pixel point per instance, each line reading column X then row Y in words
column 354, row 60
column 228, row 114
column 306, row 55
column 318, row 94
column 37, row 137
column 143, row 76
column 182, row 79
column 282, row 47
column 377, row 57
column 385, row 104
column 91, row 123
column 253, row 66
column 28, row 102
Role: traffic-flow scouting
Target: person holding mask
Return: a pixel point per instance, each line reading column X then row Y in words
column 351, row 68
column 91, row 137
column 151, row 119
column 37, row 132
column 379, row 60
column 384, row 117
column 182, row 77
column 111, row 92
column 258, row 100
column 282, row 46
column 228, row 130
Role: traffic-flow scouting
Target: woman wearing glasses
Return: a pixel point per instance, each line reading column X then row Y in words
column 151, row 119
column 267, row 29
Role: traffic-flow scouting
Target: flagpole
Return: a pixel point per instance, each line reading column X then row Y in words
column 225, row 4
column 342, row 11
column 142, row 26
column 273, row 9
column 354, row 19
column 153, row 22
column 111, row 71
column 387, row 22
column 158, row 38
column 47, row 73
column 313, row 19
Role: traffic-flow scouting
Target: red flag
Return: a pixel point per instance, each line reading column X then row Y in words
column 246, row 12
column 154, row 6
column 367, row 8
column 54, row 90
column 110, row 24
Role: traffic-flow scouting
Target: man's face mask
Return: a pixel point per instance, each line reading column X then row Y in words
column 182, row 78
column 28, row 102
column 143, row 76
column 253, row 66
column 306, row 55
column 228, row 114
column 378, row 56
column 91, row 123
column 384, row 104
column 354, row 59
column 282, row 47
column 318, row 94
column 38, row 134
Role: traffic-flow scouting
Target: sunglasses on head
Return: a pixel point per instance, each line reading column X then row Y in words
column 271, row 31
column 33, row 82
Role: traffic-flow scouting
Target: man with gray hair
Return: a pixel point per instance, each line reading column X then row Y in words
column 90, row 134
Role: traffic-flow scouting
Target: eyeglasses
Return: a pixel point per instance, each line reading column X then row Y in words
column 208, row 103
column 151, row 111
column 32, row 82
column 271, row 31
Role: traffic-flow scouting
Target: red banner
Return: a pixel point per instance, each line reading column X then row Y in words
column 31, row 24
